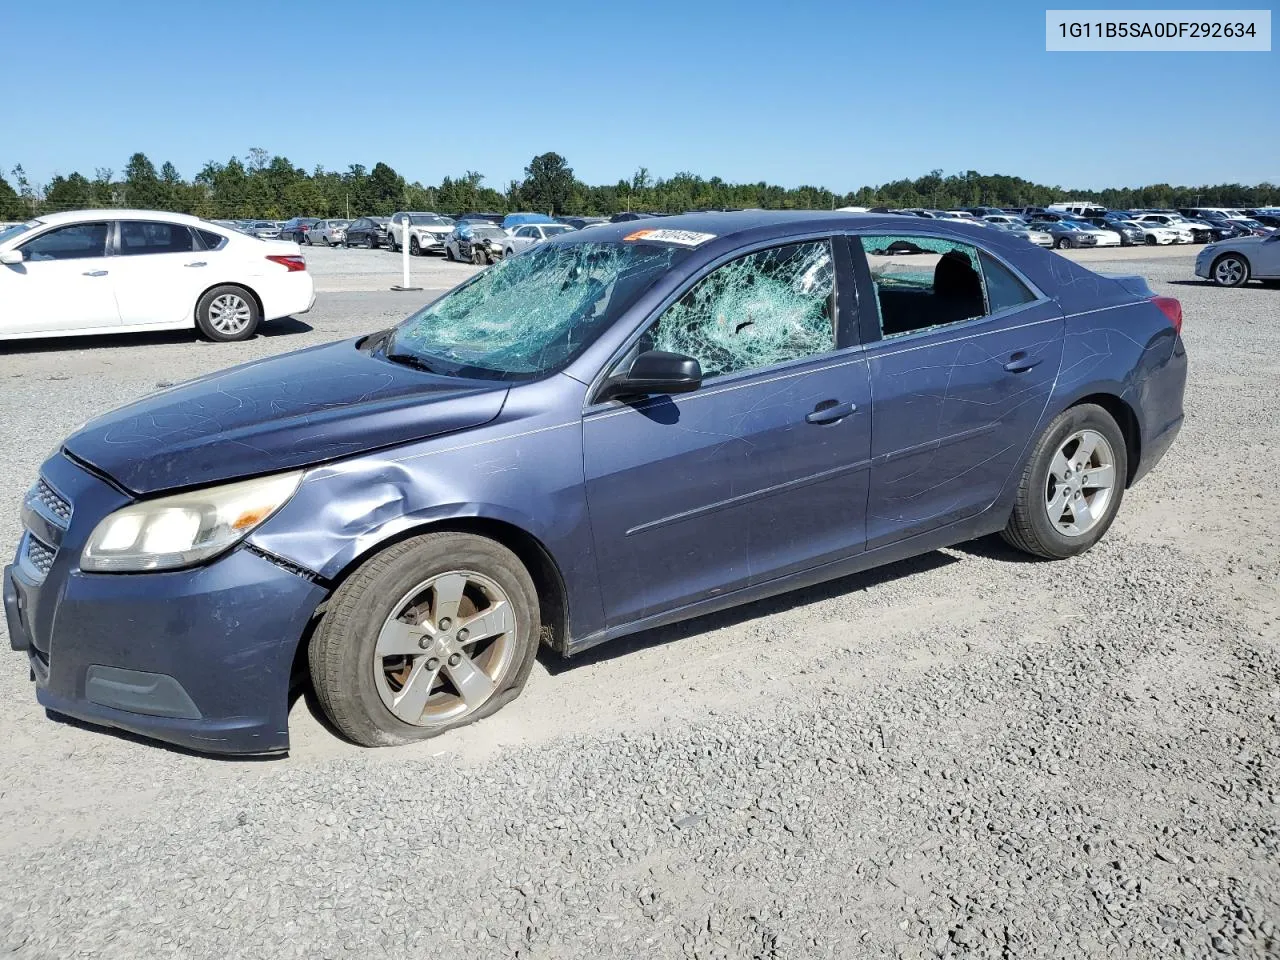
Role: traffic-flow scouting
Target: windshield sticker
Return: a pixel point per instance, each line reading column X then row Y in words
column 681, row 238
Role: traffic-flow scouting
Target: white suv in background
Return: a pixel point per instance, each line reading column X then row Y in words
column 125, row 271
column 427, row 232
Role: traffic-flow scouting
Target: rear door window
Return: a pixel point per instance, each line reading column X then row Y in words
column 141, row 237
column 923, row 283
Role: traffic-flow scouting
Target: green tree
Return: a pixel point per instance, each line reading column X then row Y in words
column 548, row 184
column 10, row 202
column 142, row 187
column 68, row 193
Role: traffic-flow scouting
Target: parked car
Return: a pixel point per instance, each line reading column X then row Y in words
column 983, row 213
column 1040, row 238
column 522, row 238
column 1271, row 220
column 1218, row 218
column 627, row 216
column 425, row 506
column 513, row 220
column 329, row 233
column 368, row 232
column 1255, row 226
column 1081, row 208
column 1005, row 219
column 297, row 228
column 580, row 223
column 491, row 217
column 1186, row 234
column 1130, row 234
column 1071, row 233
column 427, row 232
column 263, row 229
column 1232, row 263
column 126, row 271
column 1156, row 234
column 475, row 241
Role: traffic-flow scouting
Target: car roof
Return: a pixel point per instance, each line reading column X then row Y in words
column 116, row 213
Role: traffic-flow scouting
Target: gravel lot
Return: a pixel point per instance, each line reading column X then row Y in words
column 960, row 755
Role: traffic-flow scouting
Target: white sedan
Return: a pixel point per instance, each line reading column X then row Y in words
column 1182, row 230
column 126, row 271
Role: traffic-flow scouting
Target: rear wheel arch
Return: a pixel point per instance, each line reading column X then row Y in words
column 243, row 286
column 553, row 597
column 1126, row 419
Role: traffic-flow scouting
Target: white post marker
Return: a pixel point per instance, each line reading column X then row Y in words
column 404, row 247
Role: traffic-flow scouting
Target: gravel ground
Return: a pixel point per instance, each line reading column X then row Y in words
column 961, row 755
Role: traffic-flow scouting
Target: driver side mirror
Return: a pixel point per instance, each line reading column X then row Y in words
column 654, row 372
column 11, row 257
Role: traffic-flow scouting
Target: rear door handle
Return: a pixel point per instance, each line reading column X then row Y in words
column 829, row 411
column 198, row 263
column 1021, row 363
column 95, row 273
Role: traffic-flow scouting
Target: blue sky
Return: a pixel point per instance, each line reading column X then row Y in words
column 838, row 94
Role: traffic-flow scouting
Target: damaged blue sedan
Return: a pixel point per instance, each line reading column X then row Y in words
column 617, row 429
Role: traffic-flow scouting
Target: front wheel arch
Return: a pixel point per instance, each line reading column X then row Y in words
column 553, row 595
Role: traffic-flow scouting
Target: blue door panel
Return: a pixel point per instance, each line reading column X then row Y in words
column 701, row 494
column 950, row 422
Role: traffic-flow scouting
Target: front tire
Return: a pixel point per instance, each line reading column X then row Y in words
column 415, row 250
column 1071, row 486
column 1063, row 243
column 368, row 242
column 1230, row 270
column 228, row 313
column 430, row 634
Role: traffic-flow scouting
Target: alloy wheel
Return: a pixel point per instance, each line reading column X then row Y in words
column 1081, row 482
column 1229, row 272
column 440, row 654
column 230, row 314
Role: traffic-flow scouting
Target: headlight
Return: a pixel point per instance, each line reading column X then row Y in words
column 184, row 529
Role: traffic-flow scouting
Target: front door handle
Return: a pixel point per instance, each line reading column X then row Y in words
column 198, row 263
column 95, row 273
column 1021, row 363
column 829, row 411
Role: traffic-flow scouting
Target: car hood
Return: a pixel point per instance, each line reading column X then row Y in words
column 289, row 411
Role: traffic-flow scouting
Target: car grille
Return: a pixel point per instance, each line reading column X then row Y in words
column 38, row 555
column 47, row 502
column 35, row 555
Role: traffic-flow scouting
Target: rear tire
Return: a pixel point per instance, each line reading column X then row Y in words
column 1041, row 493
column 228, row 313
column 360, row 701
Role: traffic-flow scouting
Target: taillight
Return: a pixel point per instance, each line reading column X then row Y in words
column 294, row 263
column 1172, row 308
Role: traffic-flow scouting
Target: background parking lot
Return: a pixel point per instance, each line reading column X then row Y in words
column 965, row 752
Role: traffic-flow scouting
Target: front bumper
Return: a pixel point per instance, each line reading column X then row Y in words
column 200, row 658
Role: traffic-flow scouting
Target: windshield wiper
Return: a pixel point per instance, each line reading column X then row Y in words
column 415, row 361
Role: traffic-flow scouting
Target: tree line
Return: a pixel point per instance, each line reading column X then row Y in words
column 271, row 187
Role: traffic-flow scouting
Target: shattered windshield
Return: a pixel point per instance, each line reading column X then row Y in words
column 528, row 316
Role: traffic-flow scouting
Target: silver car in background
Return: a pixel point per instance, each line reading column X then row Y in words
column 332, row 233
column 531, row 234
column 1072, row 233
column 262, row 229
column 1231, row 263
column 1032, row 235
